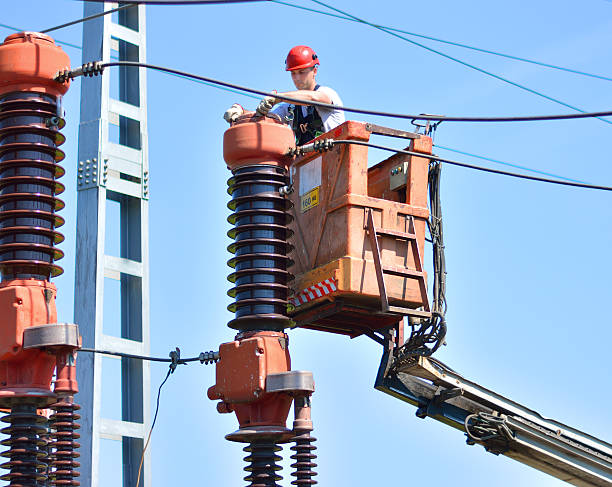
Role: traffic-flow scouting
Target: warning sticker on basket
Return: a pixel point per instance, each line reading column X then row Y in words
column 310, row 199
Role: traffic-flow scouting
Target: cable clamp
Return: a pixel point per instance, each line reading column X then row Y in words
column 323, row 145
column 209, row 357
column 175, row 356
column 87, row 69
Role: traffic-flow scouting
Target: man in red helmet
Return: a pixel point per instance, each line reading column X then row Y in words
column 306, row 120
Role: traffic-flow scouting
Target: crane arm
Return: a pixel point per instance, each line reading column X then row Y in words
column 499, row 424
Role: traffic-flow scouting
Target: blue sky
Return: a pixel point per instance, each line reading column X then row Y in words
column 528, row 263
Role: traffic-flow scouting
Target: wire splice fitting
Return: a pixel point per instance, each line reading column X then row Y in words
column 209, row 357
column 323, row 145
column 175, row 356
column 88, row 69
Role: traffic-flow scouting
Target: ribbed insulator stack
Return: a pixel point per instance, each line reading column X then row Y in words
column 304, row 457
column 262, row 465
column 29, row 157
column 63, row 444
column 260, row 247
column 26, row 446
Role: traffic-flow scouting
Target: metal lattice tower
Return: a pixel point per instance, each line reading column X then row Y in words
column 113, row 166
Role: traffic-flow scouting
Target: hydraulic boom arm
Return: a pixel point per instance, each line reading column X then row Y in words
column 502, row 426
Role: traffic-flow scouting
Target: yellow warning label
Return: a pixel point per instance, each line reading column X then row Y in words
column 310, row 199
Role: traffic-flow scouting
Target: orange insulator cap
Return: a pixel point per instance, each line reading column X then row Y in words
column 257, row 140
column 29, row 61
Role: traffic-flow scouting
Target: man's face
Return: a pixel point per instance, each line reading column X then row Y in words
column 304, row 79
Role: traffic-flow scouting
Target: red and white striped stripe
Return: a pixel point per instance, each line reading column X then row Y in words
column 317, row 291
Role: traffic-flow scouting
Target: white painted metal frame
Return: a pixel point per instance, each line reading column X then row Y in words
column 117, row 171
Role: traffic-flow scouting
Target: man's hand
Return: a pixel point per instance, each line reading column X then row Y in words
column 265, row 105
column 232, row 113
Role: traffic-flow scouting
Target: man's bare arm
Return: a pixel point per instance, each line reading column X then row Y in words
column 306, row 95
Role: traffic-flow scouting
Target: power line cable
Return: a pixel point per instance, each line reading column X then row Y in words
column 94, row 68
column 85, row 19
column 170, row 370
column 204, row 357
column 75, row 46
column 497, row 161
column 451, row 43
column 256, row 97
column 174, row 2
column 15, row 29
column 326, row 144
column 457, row 60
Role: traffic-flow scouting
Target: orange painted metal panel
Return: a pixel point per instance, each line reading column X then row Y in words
column 25, row 303
column 244, row 365
column 330, row 239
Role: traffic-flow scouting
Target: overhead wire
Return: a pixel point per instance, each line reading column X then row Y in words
column 15, row 29
column 146, row 445
column 174, row 2
column 529, row 118
column 204, row 357
column 257, row 98
column 497, row 161
column 450, row 43
column 457, row 60
column 175, row 360
column 434, row 157
column 85, row 19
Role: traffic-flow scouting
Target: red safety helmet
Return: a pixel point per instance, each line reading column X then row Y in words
column 301, row 57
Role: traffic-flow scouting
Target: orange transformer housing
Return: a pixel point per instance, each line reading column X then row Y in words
column 359, row 235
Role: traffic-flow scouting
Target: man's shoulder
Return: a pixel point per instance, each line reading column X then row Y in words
column 333, row 94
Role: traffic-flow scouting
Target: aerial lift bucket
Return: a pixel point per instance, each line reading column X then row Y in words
column 359, row 235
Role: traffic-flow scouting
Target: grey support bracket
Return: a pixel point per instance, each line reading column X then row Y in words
column 51, row 335
column 294, row 381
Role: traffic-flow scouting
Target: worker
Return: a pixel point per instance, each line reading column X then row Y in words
column 307, row 121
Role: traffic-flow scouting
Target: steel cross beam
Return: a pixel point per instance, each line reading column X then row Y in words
column 113, row 170
column 501, row 425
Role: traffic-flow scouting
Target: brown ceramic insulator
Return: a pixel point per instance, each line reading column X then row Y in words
column 304, row 459
column 63, row 444
column 26, row 447
column 262, row 466
column 260, row 248
column 29, row 170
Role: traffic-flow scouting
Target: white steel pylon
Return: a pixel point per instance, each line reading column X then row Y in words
column 113, row 167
